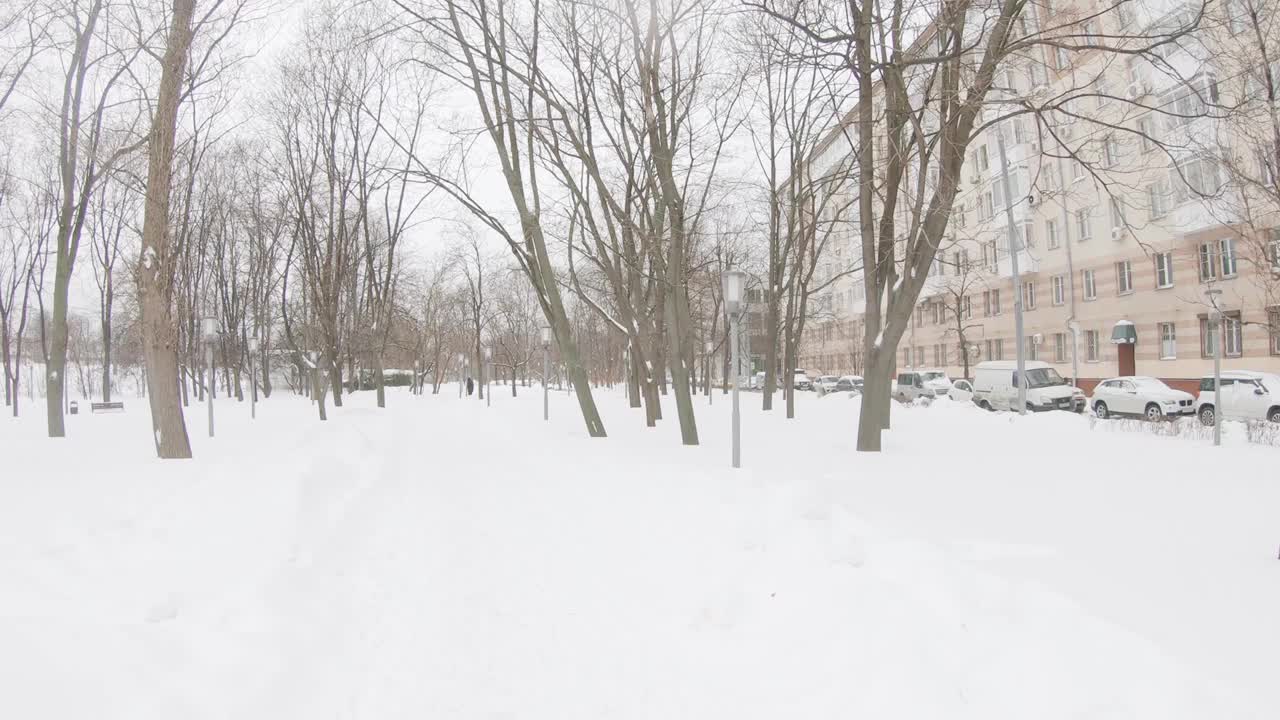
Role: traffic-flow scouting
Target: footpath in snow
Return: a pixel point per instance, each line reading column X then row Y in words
column 443, row 559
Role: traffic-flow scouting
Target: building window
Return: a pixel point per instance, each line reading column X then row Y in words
column 919, row 355
column 1090, row 286
column 1273, row 250
column 980, row 159
column 939, row 312
column 1110, row 152
column 906, row 357
column 919, row 316
column 1032, row 347
column 1124, row 277
column 1273, row 327
column 1029, row 294
column 1168, row 341
column 1227, row 253
column 1146, row 133
column 1059, row 286
column 995, row 349
column 966, row 307
column 1231, row 330
column 1077, row 170
column 1051, row 232
column 1158, row 200
column 1164, row 270
column 991, row 302
column 1117, row 220
column 1059, row 347
column 993, row 255
column 1196, row 177
column 1084, row 225
column 1208, row 261
column 1091, row 345
column 1186, row 103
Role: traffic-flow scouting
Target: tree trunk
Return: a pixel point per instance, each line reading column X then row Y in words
column 378, row 382
column 335, row 378
column 266, row 372
column 55, row 370
column 159, row 327
column 318, row 392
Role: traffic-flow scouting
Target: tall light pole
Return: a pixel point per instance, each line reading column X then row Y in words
column 253, row 378
column 546, row 370
column 734, row 286
column 1216, row 332
column 1013, row 260
column 1065, row 235
column 210, row 336
column 488, row 373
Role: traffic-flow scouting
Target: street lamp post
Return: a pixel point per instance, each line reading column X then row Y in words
column 488, row 373
column 253, row 378
column 546, row 370
column 1017, row 281
column 1216, row 332
column 210, row 336
column 734, row 286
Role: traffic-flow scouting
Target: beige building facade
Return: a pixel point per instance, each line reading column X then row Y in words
column 1130, row 216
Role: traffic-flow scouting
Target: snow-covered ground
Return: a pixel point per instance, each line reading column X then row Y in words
column 442, row 559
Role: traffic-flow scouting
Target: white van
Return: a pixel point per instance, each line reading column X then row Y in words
column 995, row 387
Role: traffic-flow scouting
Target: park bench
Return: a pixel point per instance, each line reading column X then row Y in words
column 106, row 407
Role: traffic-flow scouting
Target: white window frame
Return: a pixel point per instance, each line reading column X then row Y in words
column 1164, row 270
column 1059, row 285
column 1084, row 224
column 1168, row 334
column 1124, row 277
column 1227, row 257
column 1051, row 232
column 1090, row 281
column 1207, row 261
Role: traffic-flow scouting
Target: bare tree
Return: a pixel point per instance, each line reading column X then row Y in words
column 157, row 261
column 97, row 68
column 488, row 50
column 115, row 208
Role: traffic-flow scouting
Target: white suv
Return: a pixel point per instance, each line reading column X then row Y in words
column 1246, row 395
column 1136, row 395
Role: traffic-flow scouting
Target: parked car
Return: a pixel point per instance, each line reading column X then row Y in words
column 827, row 383
column 910, row 386
column 849, row 383
column 936, row 380
column 961, row 391
column 1143, row 396
column 801, row 381
column 995, row 387
column 1246, row 395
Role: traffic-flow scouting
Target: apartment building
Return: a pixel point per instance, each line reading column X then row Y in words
column 1128, row 217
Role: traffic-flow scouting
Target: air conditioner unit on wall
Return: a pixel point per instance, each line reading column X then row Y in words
column 1117, row 233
